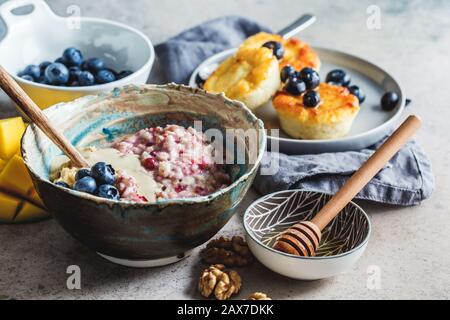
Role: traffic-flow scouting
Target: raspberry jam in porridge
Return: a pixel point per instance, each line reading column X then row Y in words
column 180, row 160
column 157, row 163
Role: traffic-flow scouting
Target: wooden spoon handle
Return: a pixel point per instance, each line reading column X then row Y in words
column 32, row 111
column 362, row 177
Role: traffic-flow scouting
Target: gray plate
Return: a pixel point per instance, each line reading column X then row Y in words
column 372, row 123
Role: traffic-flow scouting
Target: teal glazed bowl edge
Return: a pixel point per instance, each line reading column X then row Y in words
column 150, row 231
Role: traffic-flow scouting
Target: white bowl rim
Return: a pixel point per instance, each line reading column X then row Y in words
column 264, row 198
column 98, row 87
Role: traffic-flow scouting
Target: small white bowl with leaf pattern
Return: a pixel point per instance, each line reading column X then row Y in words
column 343, row 240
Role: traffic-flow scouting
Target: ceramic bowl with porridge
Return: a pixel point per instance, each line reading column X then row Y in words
column 162, row 185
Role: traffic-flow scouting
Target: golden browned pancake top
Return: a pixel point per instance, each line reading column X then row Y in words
column 336, row 102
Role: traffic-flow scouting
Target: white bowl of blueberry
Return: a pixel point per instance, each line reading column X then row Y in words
column 58, row 59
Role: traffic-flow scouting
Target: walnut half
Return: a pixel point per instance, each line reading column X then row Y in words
column 259, row 296
column 232, row 252
column 216, row 280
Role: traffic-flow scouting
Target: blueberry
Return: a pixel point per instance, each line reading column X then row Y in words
column 198, row 80
column 32, row 71
column 389, row 101
column 84, row 66
column 42, row 79
column 74, row 73
column 124, row 74
column 60, row 60
column 105, row 76
column 295, row 86
column 311, row 99
column 356, row 91
column 82, row 173
column 103, row 173
column 27, row 77
column 74, row 84
column 44, row 65
column 85, row 78
column 203, row 74
column 73, row 57
column 62, row 184
column 286, row 73
column 339, row 76
column 276, row 47
column 408, row 102
column 114, row 72
column 108, row 192
column 332, row 83
column 95, row 65
column 86, row 184
column 310, row 77
column 57, row 74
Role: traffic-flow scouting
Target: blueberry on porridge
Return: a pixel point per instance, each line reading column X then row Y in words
column 155, row 163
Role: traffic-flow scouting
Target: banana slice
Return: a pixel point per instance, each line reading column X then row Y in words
column 252, row 76
column 298, row 54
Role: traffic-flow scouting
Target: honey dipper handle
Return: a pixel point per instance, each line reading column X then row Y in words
column 362, row 177
column 32, row 111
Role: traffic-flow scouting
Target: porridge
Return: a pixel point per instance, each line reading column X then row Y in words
column 155, row 163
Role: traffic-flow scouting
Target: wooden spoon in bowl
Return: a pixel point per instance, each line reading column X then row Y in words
column 303, row 238
column 32, row 111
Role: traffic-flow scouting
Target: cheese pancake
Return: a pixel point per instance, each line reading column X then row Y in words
column 298, row 54
column 252, row 76
column 331, row 119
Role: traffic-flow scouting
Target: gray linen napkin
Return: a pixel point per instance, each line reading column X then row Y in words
column 182, row 54
column 407, row 180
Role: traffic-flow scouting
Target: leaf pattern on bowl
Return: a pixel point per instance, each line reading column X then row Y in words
column 274, row 214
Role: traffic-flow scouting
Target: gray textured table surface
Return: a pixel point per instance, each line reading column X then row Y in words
column 409, row 246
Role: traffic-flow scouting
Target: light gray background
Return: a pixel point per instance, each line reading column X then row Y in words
column 410, row 246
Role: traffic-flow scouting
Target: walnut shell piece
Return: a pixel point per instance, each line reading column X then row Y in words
column 258, row 296
column 232, row 252
column 216, row 280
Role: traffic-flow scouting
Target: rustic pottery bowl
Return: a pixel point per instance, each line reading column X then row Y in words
column 343, row 240
column 153, row 234
column 41, row 35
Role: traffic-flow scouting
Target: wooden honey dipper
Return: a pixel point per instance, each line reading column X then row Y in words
column 303, row 238
column 32, row 111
